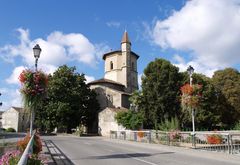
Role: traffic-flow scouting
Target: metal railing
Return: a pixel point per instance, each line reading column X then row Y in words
column 28, row 150
column 218, row 141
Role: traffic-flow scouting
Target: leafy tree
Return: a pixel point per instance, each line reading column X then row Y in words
column 130, row 119
column 227, row 83
column 160, row 91
column 70, row 101
column 212, row 111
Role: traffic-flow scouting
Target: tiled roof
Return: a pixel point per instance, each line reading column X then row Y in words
column 20, row 110
column 117, row 51
column 103, row 80
column 125, row 38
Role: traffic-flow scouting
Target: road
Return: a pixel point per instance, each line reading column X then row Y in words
column 70, row 150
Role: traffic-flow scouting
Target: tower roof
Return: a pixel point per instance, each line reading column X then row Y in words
column 125, row 38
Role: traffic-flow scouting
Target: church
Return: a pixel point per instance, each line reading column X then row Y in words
column 119, row 82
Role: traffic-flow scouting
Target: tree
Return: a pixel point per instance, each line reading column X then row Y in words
column 160, row 92
column 70, row 101
column 227, row 83
column 212, row 110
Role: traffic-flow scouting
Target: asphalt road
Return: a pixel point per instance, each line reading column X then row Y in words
column 70, row 150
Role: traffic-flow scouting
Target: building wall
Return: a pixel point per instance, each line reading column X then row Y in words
column 124, row 70
column 107, row 122
column 107, row 97
column 114, row 73
column 10, row 119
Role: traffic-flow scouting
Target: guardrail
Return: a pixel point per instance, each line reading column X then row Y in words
column 28, row 150
column 219, row 141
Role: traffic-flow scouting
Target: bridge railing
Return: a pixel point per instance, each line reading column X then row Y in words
column 219, row 141
column 28, row 150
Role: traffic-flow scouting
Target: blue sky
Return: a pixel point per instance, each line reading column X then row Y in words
column 201, row 33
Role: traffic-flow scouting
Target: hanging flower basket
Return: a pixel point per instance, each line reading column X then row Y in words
column 34, row 87
column 191, row 95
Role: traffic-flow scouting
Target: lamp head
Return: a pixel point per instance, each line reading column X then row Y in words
column 190, row 70
column 37, row 51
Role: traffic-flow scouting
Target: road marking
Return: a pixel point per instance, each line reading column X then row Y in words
column 87, row 143
column 109, row 150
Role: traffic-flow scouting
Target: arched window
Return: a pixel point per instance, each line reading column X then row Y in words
column 111, row 65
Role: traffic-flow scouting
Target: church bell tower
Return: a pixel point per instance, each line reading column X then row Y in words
column 121, row 65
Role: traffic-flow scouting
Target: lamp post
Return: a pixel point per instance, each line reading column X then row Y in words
column 36, row 52
column 0, row 102
column 190, row 71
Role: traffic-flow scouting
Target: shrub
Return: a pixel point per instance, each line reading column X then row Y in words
column 10, row 158
column 175, row 135
column 130, row 120
column 37, row 144
column 10, row 130
column 140, row 134
column 168, row 125
column 237, row 126
column 214, row 139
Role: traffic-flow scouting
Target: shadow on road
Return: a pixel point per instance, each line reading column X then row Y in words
column 57, row 155
column 121, row 156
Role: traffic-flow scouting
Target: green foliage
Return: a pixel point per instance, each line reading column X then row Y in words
column 10, row 130
column 227, row 83
column 160, row 92
column 70, row 101
column 168, row 125
column 130, row 119
column 237, row 126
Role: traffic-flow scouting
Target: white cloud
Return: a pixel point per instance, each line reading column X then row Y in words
column 182, row 65
column 11, row 97
column 113, row 24
column 89, row 78
column 13, row 79
column 209, row 30
column 140, row 80
column 57, row 49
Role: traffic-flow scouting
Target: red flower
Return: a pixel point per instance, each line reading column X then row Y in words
column 22, row 77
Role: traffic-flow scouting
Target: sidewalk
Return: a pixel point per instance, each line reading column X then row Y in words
column 47, row 154
column 54, row 155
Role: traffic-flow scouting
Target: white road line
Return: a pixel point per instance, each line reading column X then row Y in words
column 87, row 143
column 141, row 160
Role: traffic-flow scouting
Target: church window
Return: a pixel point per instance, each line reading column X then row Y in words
column 111, row 65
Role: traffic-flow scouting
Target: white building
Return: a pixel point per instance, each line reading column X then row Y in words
column 16, row 118
column 119, row 82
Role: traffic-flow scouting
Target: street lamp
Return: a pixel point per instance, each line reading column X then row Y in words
column 190, row 71
column 36, row 52
column 0, row 102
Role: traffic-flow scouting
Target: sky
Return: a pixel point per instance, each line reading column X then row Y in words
column 201, row 33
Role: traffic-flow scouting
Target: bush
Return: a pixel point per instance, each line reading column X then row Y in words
column 168, row 125
column 10, row 130
column 140, row 134
column 130, row 120
column 237, row 126
column 37, row 144
column 214, row 139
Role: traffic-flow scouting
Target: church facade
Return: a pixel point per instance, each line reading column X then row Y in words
column 119, row 82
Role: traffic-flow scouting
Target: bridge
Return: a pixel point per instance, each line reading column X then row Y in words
column 71, row 150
